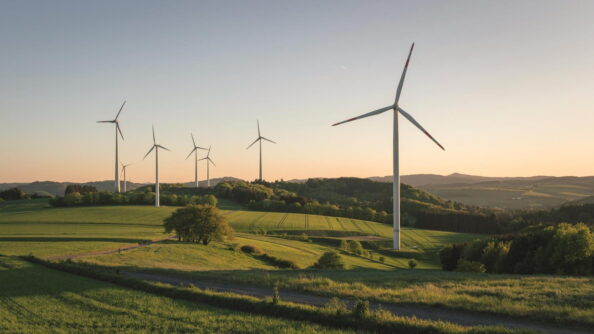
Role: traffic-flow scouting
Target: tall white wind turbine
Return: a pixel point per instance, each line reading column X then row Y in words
column 156, row 147
column 259, row 139
column 208, row 162
column 396, row 108
column 117, row 158
column 124, row 166
column 195, row 151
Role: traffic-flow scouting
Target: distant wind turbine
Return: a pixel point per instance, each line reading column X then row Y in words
column 117, row 129
column 208, row 162
column 259, row 139
column 396, row 182
column 156, row 147
column 124, row 166
column 195, row 151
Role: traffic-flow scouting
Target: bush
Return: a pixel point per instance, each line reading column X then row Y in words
column 281, row 263
column 382, row 259
column 412, row 263
column 251, row 249
column 470, row 267
column 330, row 260
column 361, row 310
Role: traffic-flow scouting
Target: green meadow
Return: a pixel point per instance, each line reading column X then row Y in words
column 31, row 227
column 35, row 299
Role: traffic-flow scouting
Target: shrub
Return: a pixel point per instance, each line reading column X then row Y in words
column 382, row 259
column 252, row 249
column 234, row 247
column 470, row 267
column 330, row 260
column 275, row 295
column 361, row 310
column 412, row 263
column 281, row 263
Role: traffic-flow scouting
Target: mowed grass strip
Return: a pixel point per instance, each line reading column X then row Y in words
column 35, row 299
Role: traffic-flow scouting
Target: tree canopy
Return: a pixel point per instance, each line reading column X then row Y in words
column 198, row 223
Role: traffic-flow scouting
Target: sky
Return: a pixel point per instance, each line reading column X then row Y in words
column 505, row 86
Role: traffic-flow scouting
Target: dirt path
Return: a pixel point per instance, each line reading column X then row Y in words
column 108, row 251
column 429, row 313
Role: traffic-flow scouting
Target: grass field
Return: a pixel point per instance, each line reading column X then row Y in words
column 30, row 227
column 35, row 299
column 563, row 300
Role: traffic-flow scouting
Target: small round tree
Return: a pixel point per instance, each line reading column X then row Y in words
column 198, row 223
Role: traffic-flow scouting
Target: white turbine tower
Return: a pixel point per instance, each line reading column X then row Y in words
column 117, row 158
column 396, row 108
column 259, row 139
column 208, row 162
column 124, row 166
column 195, row 151
column 156, row 147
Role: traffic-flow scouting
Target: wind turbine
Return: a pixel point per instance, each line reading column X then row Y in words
column 195, row 151
column 117, row 158
column 208, row 162
column 259, row 139
column 396, row 182
column 124, row 166
column 156, row 147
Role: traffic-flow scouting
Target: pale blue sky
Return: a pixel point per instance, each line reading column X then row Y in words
column 505, row 86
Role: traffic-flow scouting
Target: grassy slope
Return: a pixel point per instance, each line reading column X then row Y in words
column 565, row 300
column 34, row 299
column 30, row 227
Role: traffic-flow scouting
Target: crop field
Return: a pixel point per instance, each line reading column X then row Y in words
column 30, row 227
column 35, row 299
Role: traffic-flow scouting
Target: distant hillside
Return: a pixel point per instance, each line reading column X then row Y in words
column 417, row 180
column 518, row 193
column 58, row 188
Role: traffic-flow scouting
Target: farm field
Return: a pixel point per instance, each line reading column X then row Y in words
column 34, row 299
column 30, row 227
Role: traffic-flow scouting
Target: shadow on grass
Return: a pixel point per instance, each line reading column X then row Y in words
column 67, row 239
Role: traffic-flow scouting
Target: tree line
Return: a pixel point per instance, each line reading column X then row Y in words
column 141, row 197
column 562, row 248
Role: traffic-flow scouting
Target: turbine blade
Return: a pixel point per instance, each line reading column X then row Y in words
column 122, row 107
column 252, row 144
column 149, row 152
column 375, row 112
column 105, row 121
column 209, row 159
column 201, row 148
column 258, row 122
column 399, row 90
column 193, row 141
column 163, row 147
column 191, row 153
column 268, row 140
column 413, row 121
column 154, row 140
column 119, row 130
